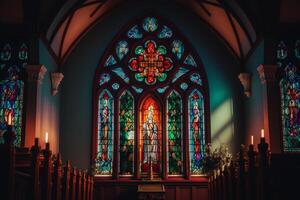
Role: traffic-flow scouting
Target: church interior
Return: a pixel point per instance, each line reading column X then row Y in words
column 149, row 99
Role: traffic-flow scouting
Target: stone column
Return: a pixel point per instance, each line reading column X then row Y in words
column 35, row 75
column 271, row 106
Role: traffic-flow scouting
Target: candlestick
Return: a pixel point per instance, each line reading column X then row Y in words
column 262, row 133
column 46, row 137
column 251, row 139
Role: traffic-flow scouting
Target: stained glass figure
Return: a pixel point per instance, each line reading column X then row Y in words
column 162, row 90
column 150, row 63
column 105, row 134
column 6, row 53
column 181, row 71
column 195, row 78
column 166, row 32
column 150, row 134
column 150, row 24
column 290, row 102
column 196, row 132
column 189, row 60
column 137, row 89
column 281, row 51
column 104, row 78
column 115, row 86
column 177, row 48
column 122, row 49
column 297, row 49
column 126, row 127
column 120, row 72
column 135, row 33
column 184, row 86
column 174, row 109
column 110, row 61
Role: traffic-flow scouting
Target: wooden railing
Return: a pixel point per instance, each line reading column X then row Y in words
column 37, row 174
column 246, row 178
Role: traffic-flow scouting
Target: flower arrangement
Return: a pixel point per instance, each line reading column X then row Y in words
column 215, row 159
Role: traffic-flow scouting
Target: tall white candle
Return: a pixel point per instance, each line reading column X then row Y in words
column 262, row 133
column 252, row 140
column 9, row 118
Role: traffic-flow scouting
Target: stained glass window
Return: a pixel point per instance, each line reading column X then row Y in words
column 126, row 128
column 146, row 69
column 105, row 133
column 174, row 109
column 13, row 59
column 150, row 134
column 290, row 102
column 196, row 132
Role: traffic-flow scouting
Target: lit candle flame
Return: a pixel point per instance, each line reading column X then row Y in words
column 262, row 133
column 9, row 119
column 46, row 137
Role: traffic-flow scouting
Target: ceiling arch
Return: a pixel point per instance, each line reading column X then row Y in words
column 224, row 17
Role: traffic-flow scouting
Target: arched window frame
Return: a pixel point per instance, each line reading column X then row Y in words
column 161, row 97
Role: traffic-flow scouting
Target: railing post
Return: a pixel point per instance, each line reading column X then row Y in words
column 78, row 185
column 35, row 171
column 73, row 184
column 8, row 164
column 83, row 185
column 66, row 181
column 57, row 178
column 46, row 174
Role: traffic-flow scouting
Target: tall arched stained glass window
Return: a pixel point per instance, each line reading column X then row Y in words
column 174, row 129
column 196, row 131
column 105, row 133
column 148, row 69
column 13, row 58
column 290, row 102
column 126, row 129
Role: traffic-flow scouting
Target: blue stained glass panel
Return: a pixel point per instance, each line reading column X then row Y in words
column 281, row 51
column 184, row 86
column 162, row 90
column 135, row 33
column 110, row 61
column 166, row 32
column 104, row 78
column 189, row 60
column 122, row 49
column 6, row 52
column 115, row 86
column 178, row 48
column 181, row 71
column 150, row 24
column 290, row 103
column 105, row 134
column 196, row 78
column 138, row 90
column 120, row 72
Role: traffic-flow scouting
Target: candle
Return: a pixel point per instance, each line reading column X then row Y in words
column 251, row 139
column 46, row 137
column 262, row 133
column 9, row 118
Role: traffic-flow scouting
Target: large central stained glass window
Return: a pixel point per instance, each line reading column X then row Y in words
column 150, row 105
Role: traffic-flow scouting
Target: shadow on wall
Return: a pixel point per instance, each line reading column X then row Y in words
column 222, row 129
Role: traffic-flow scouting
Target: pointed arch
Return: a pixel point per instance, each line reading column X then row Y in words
column 126, row 133
column 105, row 133
column 196, row 131
column 174, row 134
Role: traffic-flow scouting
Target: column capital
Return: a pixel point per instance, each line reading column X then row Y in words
column 267, row 72
column 36, row 73
column 56, row 78
column 245, row 79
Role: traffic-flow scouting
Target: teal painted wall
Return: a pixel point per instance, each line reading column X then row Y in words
column 222, row 69
column 49, row 104
column 254, row 114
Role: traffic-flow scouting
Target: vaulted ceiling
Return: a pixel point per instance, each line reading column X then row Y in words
column 63, row 23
